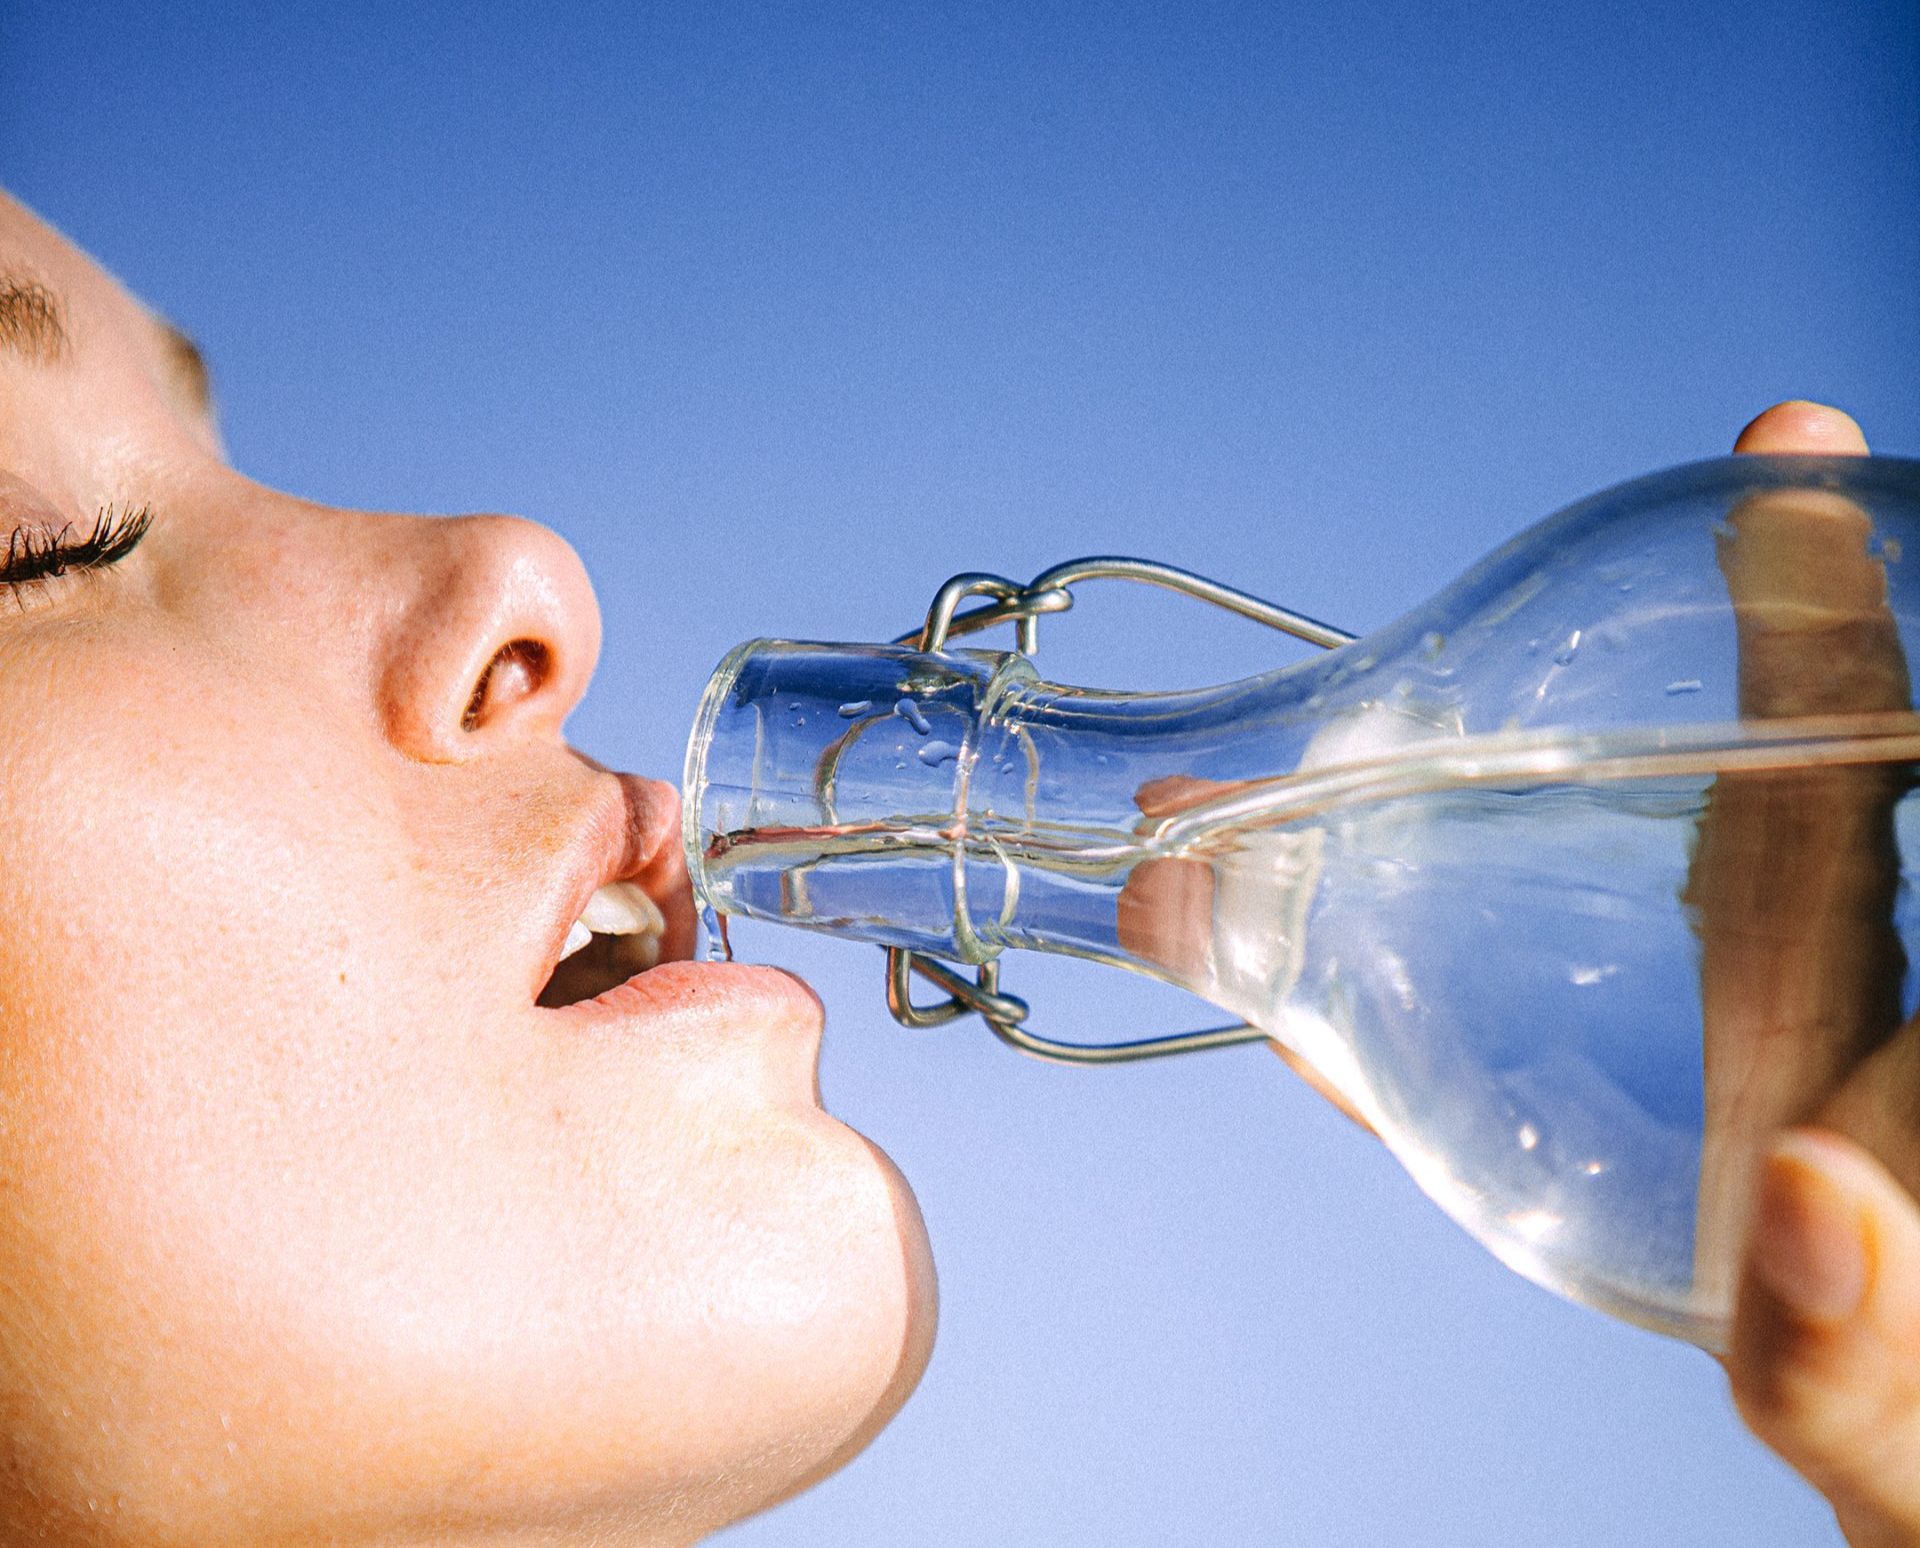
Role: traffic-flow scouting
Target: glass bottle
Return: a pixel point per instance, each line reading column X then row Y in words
column 1576, row 883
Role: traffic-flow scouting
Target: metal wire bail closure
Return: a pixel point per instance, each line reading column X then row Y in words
column 1022, row 606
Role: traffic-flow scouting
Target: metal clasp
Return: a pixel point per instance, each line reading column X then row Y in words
column 1023, row 606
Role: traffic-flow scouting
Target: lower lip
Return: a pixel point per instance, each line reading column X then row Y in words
column 737, row 998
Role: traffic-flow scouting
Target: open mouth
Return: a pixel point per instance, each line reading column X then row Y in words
column 617, row 935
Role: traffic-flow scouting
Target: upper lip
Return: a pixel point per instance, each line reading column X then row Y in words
column 631, row 835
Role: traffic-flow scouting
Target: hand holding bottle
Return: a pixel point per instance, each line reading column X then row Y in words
column 1580, row 884
column 1802, row 992
column 1791, row 893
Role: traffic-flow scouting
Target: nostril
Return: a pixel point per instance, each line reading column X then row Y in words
column 516, row 672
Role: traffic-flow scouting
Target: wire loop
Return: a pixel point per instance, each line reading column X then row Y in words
column 1024, row 606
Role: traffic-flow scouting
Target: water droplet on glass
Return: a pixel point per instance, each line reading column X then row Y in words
column 1683, row 685
column 909, row 710
column 936, row 753
column 857, row 707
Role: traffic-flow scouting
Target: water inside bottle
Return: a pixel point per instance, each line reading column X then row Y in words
column 1540, row 968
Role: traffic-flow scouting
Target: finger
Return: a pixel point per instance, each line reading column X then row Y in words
column 1808, row 591
column 1164, row 915
column 1166, row 912
column 1798, row 426
column 1794, row 872
column 1321, row 1084
column 1173, row 793
column 1825, row 1351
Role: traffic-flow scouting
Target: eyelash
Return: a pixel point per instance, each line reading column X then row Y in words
column 35, row 556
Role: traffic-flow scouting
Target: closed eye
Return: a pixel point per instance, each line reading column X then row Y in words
column 36, row 555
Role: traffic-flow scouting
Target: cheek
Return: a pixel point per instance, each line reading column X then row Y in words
column 183, row 1021
column 244, row 1113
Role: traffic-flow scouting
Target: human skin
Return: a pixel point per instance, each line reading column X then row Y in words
column 314, row 1227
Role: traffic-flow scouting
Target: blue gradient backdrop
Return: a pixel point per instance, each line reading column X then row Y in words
column 783, row 313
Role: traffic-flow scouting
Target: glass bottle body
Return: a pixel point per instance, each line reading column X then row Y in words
column 1576, row 882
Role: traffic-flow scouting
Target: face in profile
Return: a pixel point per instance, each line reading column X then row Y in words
column 334, row 1210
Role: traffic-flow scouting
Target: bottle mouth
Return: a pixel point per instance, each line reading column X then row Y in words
column 693, row 777
column 826, row 786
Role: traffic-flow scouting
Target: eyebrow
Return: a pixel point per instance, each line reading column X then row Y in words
column 30, row 324
column 33, row 328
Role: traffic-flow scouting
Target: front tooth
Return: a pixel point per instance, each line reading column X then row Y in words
column 623, row 908
column 577, row 937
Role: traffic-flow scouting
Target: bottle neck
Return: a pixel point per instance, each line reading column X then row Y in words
column 826, row 788
column 957, row 805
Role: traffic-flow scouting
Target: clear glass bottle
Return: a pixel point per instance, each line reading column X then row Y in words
column 1576, row 883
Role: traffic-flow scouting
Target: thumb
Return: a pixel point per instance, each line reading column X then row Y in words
column 1825, row 1351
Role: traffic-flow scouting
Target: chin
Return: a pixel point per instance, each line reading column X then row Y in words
column 866, row 1341
column 909, row 1339
column 822, row 1339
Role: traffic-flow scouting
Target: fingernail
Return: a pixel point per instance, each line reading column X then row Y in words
column 1808, row 1247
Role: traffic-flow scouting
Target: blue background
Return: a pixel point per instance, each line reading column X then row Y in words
column 781, row 314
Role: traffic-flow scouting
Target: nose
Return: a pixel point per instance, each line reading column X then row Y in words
column 493, row 639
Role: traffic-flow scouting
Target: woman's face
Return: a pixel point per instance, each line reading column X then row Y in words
column 316, row 1224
